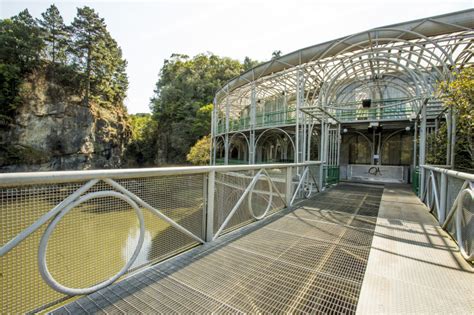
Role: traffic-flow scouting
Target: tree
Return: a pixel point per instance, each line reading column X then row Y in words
column 249, row 63
column 276, row 54
column 55, row 34
column 202, row 123
column 20, row 42
column 458, row 96
column 140, row 150
column 199, row 154
column 99, row 58
column 25, row 18
column 185, row 86
column 89, row 32
column 20, row 47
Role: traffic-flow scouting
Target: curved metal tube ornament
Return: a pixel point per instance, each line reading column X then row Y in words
column 270, row 200
column 459, row 237
column 43, row 246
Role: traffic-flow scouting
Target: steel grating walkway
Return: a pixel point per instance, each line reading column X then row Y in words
column 310, row 260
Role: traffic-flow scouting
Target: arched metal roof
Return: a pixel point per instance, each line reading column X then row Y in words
column 424, row 29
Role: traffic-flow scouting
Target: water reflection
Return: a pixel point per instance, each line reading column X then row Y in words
column 170, row 240
column 130, row 245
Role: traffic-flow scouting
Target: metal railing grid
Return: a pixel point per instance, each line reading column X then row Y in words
column 22, row 288
column 68, row 233
column 92, row 242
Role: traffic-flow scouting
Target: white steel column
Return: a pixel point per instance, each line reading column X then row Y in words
column 453, row 139
column 415, row 140
column 226, row 143
column 289, row 185
column 339, row 140
column 297, row 125
column 448, row 140
column 211, row 187
column 253, row 114
column 422, row 156
column 322, row 151
column 212, row 153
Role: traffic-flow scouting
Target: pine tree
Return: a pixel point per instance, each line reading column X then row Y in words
column 88, row 31
column 25, row 18
column 55, row 34
column 99, row 57
column 20, row 47
column 27, row 43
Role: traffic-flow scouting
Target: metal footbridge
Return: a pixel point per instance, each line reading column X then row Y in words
column 273, row 238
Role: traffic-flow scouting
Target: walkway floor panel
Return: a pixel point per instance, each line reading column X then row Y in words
column 310, row 260
column 414, row 266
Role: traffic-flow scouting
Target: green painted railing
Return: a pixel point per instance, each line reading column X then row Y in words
column 332, row 175
column 282, row 117
column 288, row 116
column 384, row 113
column 277, row 118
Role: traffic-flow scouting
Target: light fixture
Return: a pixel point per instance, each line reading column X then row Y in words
column 407, row 128
column 344, row 130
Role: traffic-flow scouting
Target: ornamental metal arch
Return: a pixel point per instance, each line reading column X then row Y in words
column 324, row 94
column 385, row 141
column 279, row 129
column 231, row 139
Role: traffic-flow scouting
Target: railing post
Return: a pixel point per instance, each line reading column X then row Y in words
column 289, row 186
column 442, row 199
column 211, row 188
column 422, row 154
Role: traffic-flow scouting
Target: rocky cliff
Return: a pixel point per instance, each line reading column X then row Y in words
column 54, row 130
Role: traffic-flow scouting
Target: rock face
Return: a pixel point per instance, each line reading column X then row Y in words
column 62, row 133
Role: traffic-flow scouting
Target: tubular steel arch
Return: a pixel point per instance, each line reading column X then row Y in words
column 279, row 129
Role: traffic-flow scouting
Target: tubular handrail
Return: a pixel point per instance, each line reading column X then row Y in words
column 20, row 179
column 401, row 102
column 457, row 174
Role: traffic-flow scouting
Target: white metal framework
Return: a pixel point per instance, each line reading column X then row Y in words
column 381, row 85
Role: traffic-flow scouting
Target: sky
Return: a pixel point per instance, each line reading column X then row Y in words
column 151, row 31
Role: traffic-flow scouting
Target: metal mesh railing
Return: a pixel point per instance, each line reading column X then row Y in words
column 93, row 241
column 267, row 195
column 70, row 233
column 450, row 197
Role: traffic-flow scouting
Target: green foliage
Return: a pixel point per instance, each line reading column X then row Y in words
column 139, row 122
column 458, row 96
column 250, row 63
column 10, row 80
column 55, row 35
column 98, row 56
column 276, row 54
column 180, row 105
column 20, row 48
column 437, row 144
column 82, row 59
column 200, row 152
column 202, row 123
column 21, row 42
column 141, row 149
